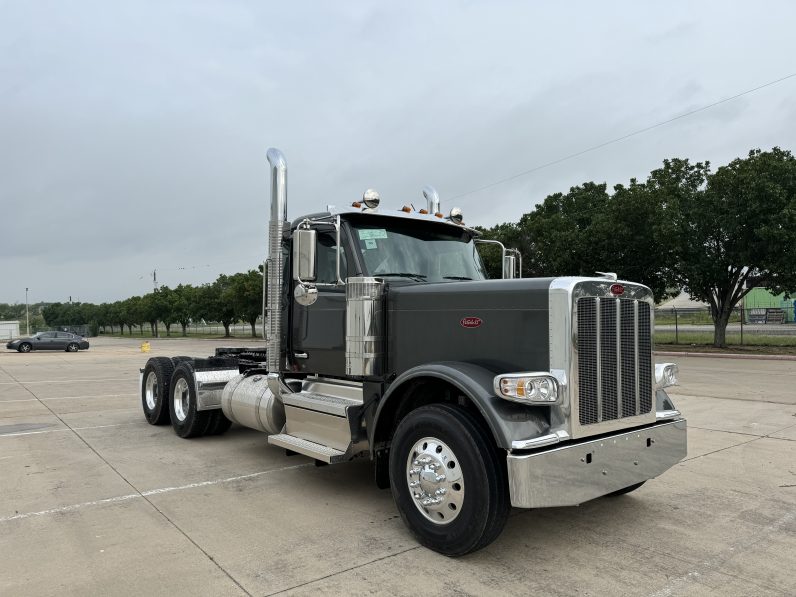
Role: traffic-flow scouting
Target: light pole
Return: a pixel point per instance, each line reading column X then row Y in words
column 27, row 317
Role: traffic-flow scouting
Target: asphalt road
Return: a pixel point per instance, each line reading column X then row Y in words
column 94, row 501
column 773, row 329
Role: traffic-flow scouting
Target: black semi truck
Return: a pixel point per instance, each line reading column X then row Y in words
column 384, row 339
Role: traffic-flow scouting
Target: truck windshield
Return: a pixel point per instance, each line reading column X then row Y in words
column 419, row 251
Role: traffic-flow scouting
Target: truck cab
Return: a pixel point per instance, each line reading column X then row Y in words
column 386, row 340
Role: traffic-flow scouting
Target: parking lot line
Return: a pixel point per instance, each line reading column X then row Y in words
column 73, row 397
column 22, row 382
column 142, row 494
column 62, row 430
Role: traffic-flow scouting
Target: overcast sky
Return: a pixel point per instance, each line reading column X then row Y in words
column 133, row 134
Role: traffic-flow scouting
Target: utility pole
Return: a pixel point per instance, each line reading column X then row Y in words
column 27, row 316
column 155, row 279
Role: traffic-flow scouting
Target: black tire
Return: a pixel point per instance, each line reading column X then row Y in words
column 484, row 501
column 181, row 359
column 72, row 347
column 219, row 424
column 625, row 490
column 154, row 398
column 185, row 419
column 25, row 347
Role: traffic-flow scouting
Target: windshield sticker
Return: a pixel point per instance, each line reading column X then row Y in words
column 370, row 243
column 372, row 233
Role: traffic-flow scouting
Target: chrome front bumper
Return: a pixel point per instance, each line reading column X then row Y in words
column 573, row 474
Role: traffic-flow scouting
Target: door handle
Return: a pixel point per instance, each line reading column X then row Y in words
column 301, row 355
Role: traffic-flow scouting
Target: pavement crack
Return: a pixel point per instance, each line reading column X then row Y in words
column 721, row 449
column 333, row 574
column 754, row 439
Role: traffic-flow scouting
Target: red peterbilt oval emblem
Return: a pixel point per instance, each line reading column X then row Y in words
column 617, row 289
column 471, row 322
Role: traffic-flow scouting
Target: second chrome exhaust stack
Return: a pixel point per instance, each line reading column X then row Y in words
column 432, row 199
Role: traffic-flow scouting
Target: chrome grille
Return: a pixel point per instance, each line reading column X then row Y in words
column 614, row 359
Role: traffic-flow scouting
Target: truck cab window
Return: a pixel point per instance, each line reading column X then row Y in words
column 427, row 252
column 327, row 259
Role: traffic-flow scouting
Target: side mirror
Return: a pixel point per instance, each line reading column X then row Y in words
column 304, row 255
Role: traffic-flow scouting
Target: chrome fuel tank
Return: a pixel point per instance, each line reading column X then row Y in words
column 248, row 401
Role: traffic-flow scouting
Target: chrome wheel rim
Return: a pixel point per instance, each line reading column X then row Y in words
column 435, row 480
column 72, row 348
column 151, row 390
column 25, row 348
column 181, row 399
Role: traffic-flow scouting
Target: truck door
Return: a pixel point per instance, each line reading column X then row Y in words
column 318, row 330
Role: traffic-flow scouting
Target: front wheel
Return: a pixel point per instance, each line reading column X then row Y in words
column 448, row 480
column 72, row 347
column 25, row 347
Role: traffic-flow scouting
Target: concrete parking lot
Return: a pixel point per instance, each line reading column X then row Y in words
column 94, row 501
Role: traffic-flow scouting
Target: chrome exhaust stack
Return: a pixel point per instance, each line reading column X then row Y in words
column 276, row 228
column 432, row 199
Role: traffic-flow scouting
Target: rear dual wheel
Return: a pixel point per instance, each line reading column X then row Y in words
column 155, row 390
column 186, row 420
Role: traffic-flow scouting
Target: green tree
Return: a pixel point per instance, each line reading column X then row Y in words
column 213, row 303
column 225, row 305
column 736, row 228
column 166, row 304
column 245, row 293
column 133, row 314
column 634, row 237
column 184, row 305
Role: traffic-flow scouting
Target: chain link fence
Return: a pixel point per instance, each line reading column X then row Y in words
column 195, row 329
column 685, row 325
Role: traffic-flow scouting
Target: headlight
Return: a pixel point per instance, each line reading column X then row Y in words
column 534, row 388
column 666, row 375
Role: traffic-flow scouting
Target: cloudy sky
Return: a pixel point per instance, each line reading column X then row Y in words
column 133, row 134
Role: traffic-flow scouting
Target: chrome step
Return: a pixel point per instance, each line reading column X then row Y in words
column 333, row 405
column 308, row 448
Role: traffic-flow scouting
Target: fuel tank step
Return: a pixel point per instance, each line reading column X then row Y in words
column 308, row 448
column 325, row 403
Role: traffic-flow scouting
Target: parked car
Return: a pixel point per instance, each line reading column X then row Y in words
column 50, row 341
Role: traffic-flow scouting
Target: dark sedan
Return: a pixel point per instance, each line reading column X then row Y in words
column 50, row 341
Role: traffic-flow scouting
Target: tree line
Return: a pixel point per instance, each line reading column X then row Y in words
column 229, row 299
column 716, row 234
